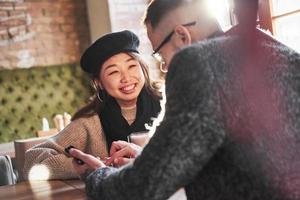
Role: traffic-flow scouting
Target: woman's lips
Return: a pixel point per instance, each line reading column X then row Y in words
column 128, row 89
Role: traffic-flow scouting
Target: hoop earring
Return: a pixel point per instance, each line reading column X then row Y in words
column 161, row 67
column 97, row 89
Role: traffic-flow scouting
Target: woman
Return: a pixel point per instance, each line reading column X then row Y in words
column 124, row 102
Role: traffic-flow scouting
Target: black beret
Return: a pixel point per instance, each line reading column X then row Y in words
column 107, row 46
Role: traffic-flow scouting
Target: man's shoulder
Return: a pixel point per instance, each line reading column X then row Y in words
column 201, row 53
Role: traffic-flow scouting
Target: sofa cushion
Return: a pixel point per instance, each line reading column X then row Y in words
column 28, row 95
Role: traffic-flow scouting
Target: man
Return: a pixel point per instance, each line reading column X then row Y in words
column 174, row 24
column 231, row 127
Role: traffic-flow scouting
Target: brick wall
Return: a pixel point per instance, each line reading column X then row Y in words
column 42, row 32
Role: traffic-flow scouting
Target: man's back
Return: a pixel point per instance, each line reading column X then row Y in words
column 230, row 130
column 255, row 92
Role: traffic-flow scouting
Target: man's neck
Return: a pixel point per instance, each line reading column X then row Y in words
column 217, row 33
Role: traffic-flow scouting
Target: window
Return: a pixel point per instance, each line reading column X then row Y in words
column 221, row 9
column 282, row 19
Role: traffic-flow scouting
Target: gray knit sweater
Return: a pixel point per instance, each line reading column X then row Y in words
column 230, row 131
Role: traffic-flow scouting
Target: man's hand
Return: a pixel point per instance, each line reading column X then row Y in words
column 122, row 152
column 91, row 163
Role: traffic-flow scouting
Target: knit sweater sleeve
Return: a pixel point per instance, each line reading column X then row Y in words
column 189, row 135
column 50, row 157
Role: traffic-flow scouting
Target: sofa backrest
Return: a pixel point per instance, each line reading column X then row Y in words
column 28, row 95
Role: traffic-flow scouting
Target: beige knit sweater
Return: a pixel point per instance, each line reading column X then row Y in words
column 48, row 160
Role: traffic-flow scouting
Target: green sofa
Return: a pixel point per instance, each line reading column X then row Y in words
column 28, row 95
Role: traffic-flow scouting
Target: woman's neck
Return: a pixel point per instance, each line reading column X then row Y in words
column 129, row 113
column 127, row 105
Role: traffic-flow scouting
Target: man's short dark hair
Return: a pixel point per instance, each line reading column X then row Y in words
column 157, row 9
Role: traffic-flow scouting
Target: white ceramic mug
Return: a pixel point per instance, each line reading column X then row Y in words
column 139, row 138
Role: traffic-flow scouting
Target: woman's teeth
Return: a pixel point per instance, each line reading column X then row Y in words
column 128, row 88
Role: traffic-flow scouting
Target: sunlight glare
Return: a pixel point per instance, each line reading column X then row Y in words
column 221, row 10
column 39, row 172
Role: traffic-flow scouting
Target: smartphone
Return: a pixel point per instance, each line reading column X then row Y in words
column 77, row 160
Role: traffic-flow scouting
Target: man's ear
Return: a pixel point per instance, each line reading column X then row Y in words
column 183, row 34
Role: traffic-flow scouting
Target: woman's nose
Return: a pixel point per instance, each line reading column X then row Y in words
column 125, row 77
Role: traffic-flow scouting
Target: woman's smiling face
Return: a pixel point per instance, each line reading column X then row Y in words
column 122, row 77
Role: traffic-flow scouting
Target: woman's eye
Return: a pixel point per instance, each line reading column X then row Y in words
column 132, row 66
column 113, row 72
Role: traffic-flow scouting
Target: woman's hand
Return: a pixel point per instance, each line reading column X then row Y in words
column 90, row 164
column 122, row 152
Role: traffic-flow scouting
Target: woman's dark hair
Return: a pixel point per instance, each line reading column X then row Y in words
column 95, row 105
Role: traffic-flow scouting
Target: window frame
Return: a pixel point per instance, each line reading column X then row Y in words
column 267, row 18
column 265, row 15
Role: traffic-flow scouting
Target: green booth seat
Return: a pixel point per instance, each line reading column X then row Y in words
column 28, row 95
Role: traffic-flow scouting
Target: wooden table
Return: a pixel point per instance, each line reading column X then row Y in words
column 46, row 190
column 54, row 190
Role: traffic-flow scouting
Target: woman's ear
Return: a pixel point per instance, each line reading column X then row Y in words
column 183, row 36
column 99, row 84
column 96, row 84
